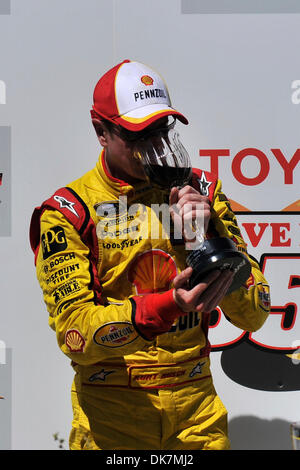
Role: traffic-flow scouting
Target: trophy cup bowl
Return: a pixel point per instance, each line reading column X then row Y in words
column 167, row 164
column 218, row 253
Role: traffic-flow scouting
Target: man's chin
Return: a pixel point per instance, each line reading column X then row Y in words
column 139, row 174
column 141, row 178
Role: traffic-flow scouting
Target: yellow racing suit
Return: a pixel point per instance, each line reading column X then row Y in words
column 100, row 247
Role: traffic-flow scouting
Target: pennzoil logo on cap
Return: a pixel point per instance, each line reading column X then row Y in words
column 115, row 335
column 147, row 80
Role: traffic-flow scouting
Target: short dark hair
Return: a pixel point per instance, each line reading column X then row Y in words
column 108, row 124
column 103, row 123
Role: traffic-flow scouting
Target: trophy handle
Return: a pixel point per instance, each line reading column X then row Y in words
column 198, row 230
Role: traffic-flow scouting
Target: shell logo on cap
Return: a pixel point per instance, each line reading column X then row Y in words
column 152, row 271
column 74, row 341
column 147, row 80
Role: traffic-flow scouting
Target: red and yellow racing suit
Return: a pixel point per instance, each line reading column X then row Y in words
column 96, row 256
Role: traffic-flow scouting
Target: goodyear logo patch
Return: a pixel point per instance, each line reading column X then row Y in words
column 115, row 335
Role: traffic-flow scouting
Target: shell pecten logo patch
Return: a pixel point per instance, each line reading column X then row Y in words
column 115, row 335
column 147, row 80
column 74, row 341
column 152, row 271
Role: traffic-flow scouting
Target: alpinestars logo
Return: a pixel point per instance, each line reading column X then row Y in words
column 100, row 375
column 197, row 369
column 64, row 203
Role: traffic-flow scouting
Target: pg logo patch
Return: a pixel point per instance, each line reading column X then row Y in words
column 53, row 241
column 264, row 296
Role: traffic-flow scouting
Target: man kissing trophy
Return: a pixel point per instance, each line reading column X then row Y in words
column 167, row 165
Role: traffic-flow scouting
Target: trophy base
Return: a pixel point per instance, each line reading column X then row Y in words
column 219, row 253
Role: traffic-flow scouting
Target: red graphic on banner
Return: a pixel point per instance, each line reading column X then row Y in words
column 264, row 359
column 255, row 232
column 295, row 206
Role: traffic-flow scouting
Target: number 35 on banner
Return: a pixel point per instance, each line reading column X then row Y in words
column 282, row 328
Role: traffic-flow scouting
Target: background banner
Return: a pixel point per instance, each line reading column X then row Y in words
column 236, row 6
column 5, row 7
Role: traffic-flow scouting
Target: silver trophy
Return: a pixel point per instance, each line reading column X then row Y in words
column 167, row 164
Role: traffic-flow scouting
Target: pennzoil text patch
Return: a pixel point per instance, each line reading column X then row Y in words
column 115, row 334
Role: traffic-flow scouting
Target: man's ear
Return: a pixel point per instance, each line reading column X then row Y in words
column 100, row 131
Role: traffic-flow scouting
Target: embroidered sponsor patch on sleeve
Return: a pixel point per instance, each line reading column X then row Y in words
column 74, row 340
column 115, row 335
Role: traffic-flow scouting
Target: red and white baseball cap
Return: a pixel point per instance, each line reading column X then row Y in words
column 133, row 96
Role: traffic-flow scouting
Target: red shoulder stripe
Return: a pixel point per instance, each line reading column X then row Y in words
column 205, row 182
column 69, row 203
